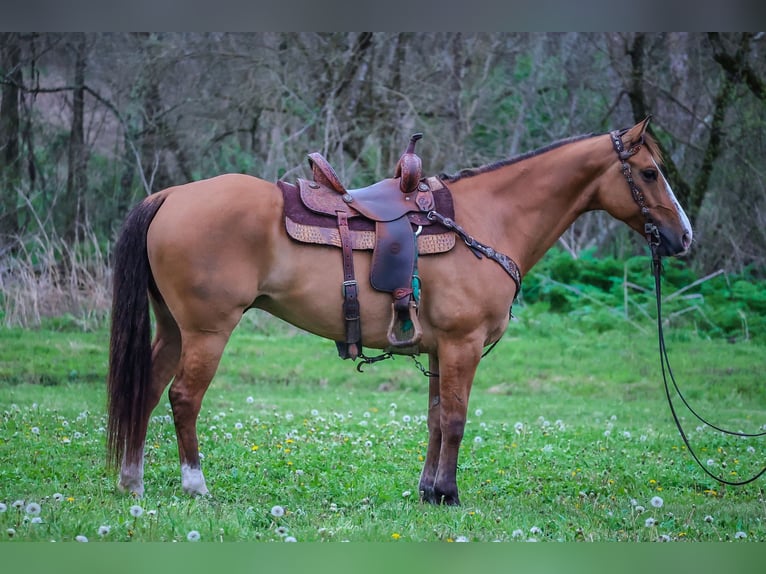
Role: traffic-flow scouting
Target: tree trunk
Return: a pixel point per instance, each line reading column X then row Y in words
column 74, row 206
column 10, row 161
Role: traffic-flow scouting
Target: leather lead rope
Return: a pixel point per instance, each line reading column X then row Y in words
column 668, row 372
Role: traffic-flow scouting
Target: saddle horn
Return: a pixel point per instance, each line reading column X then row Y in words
column 410, row 167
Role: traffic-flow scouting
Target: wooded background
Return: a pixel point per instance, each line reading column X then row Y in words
column 91, row 122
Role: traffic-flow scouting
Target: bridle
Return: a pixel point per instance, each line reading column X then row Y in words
column 652, row 235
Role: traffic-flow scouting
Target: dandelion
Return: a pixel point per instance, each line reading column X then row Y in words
column 406, row 418
column 710, row 462
column 461, row 539
column 192, row 536
column 607, row 432
column 238, row 426
column 396, row 536
column 277, row 511
column 751, row 449
column 282, row 531
column 406, row 494
column 478, row 440
column 18, row 504
column 664, row 538
column 479, row 412
column 33, row 509
column 290, row 539
column 103, row 530
column 3, row 507
column 368, row 443
column 250, row 400
column 35, row 430
column 151, row 513
column 650, row 522
column 136, row 511
column 81, row 538
column 626, row 434
column 518, row 427
column 657, row 502
column 547, row 448
column 518, row 533
column 740, row 535
column 36, row 520
column 639, row 509
column 535, row 531
column 708, row 519
column 11, row 532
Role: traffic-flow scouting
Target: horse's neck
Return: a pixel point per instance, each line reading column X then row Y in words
column 526, row 206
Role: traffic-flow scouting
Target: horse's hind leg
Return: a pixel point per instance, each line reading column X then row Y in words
column 431, row 464
column 199, row 360
column 166, row 351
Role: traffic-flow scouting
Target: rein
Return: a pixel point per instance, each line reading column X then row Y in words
column 652, row 235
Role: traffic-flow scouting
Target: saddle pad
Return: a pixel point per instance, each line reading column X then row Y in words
column 307, row 226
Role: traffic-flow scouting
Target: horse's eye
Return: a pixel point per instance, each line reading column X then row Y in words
column 649, row 174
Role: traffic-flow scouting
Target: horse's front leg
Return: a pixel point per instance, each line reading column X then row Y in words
column 428, row 477
column 457, row 367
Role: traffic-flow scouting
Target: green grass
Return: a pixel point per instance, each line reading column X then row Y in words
column 341, row 452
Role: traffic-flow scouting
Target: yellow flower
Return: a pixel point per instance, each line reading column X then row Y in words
column 70, row 499
column 652, row 481
column 254, row 447
column 396, row 536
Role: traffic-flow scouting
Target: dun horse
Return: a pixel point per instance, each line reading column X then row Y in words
column 204, row 253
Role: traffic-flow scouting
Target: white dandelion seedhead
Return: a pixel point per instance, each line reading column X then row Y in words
column 650, row 522
column 3, row 507
column 518, row 533
column 664, row 538
column 461, row 539
column 103, row 530
column 479, row 412
column 657, row 502
column 281, row 531
column 193, row 536
column 740, row 535
column 81, row 538
column 18, row 504
column 36, row 520
column 535, row 531
column 136, row 511
column 478, row 440
column 290, row 539
column 250, row 400
column 58, row 497
column 708, row 519
column 277, row 511
column 518, row 427
column 33, row 509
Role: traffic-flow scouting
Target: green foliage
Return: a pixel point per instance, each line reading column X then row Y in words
column 602, row 292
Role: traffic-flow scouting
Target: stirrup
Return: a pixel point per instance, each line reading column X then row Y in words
column 404, row 334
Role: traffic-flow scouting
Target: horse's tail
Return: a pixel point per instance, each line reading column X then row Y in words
column 130, row 352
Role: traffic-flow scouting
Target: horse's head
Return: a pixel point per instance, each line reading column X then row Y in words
column 637, row 192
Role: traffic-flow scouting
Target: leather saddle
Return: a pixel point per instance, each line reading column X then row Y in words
column 390, row 217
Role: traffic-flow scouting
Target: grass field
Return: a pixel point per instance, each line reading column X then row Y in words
column 569, row 438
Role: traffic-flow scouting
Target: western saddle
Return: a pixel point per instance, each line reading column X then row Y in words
column 389, row 217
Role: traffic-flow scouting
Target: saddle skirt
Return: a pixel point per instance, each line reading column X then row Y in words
column 310, row 217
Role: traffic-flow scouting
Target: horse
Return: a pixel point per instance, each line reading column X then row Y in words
column 203, row 253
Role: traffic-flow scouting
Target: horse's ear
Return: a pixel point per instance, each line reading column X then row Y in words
column 635, row 135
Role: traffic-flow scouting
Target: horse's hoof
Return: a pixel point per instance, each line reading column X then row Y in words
column 136, row 490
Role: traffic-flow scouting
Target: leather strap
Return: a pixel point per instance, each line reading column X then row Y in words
column 350, row 291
